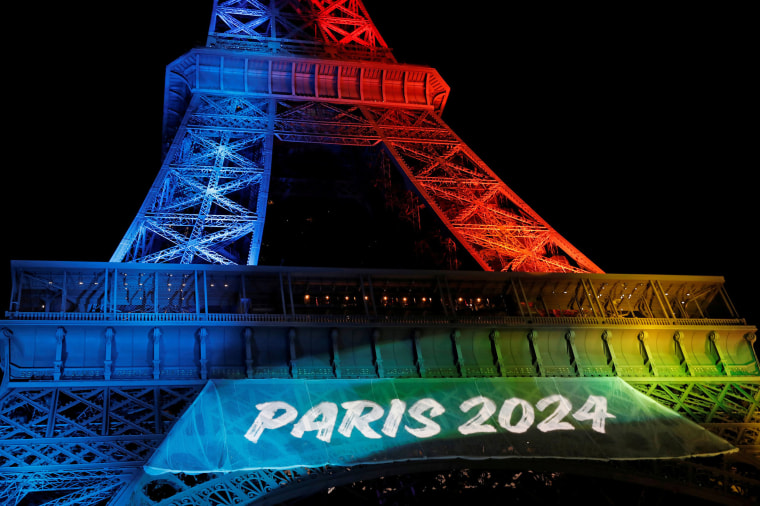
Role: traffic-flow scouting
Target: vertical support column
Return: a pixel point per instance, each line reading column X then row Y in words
column 537, row 362
column 104, row 428
column 496, row 350
column 155, row 292
column 382, row 84
column 52, row 414
column 15, row 299
column 455, row 335
column 611, row 359
column 646, row 353
column 270, row 84
column 60, row 336
column 203, row 361
column 197, row 293
column 751, row 338
column 105, row 292
column 372, row 296
column 420, row 362
column 290, row 295
column 156, row 336
column 248, row 337
column 114, row 295
column 361, row 83
column 107, row 363
column 574, row 362
column 157, row 409
column 282, row 296
column 64, row 295
column 683, row 362
column 263, row 193
column 293, row 79
column 377, row 356
column 5, row 358
column 334, row 336
column 713, row 337
column 205, row 296
column 292, row 348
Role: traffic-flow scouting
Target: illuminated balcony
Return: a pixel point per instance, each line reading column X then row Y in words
column 74, row 291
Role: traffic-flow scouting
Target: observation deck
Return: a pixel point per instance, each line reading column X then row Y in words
column 183, row 322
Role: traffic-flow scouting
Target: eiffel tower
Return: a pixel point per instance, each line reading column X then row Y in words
column 300, row 107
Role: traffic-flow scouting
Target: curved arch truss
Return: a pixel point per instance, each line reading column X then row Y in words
column 551, row 481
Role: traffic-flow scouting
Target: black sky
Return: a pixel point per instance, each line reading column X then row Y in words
column 625, row 128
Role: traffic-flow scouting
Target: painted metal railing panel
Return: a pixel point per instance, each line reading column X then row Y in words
column 72, row 290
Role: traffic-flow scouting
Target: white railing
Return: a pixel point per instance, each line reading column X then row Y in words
column 351, row 319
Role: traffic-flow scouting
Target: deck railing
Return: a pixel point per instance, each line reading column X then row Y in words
column 358, row 319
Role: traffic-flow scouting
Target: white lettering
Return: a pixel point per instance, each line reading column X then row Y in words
column 327, row 411
column 430, row 428
column 554, row 421
column 355, row 419
column 360, row 414
column 598, row 404
column 267, row 420
column 393, row 420
column 477, row 424
column 508, row 408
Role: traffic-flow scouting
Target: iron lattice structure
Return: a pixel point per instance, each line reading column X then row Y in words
column 316, row 72
column 100, row 360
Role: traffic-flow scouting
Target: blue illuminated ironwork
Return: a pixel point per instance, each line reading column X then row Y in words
column 200, row 204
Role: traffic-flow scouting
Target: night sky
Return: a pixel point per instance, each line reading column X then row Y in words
column 625, row 129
